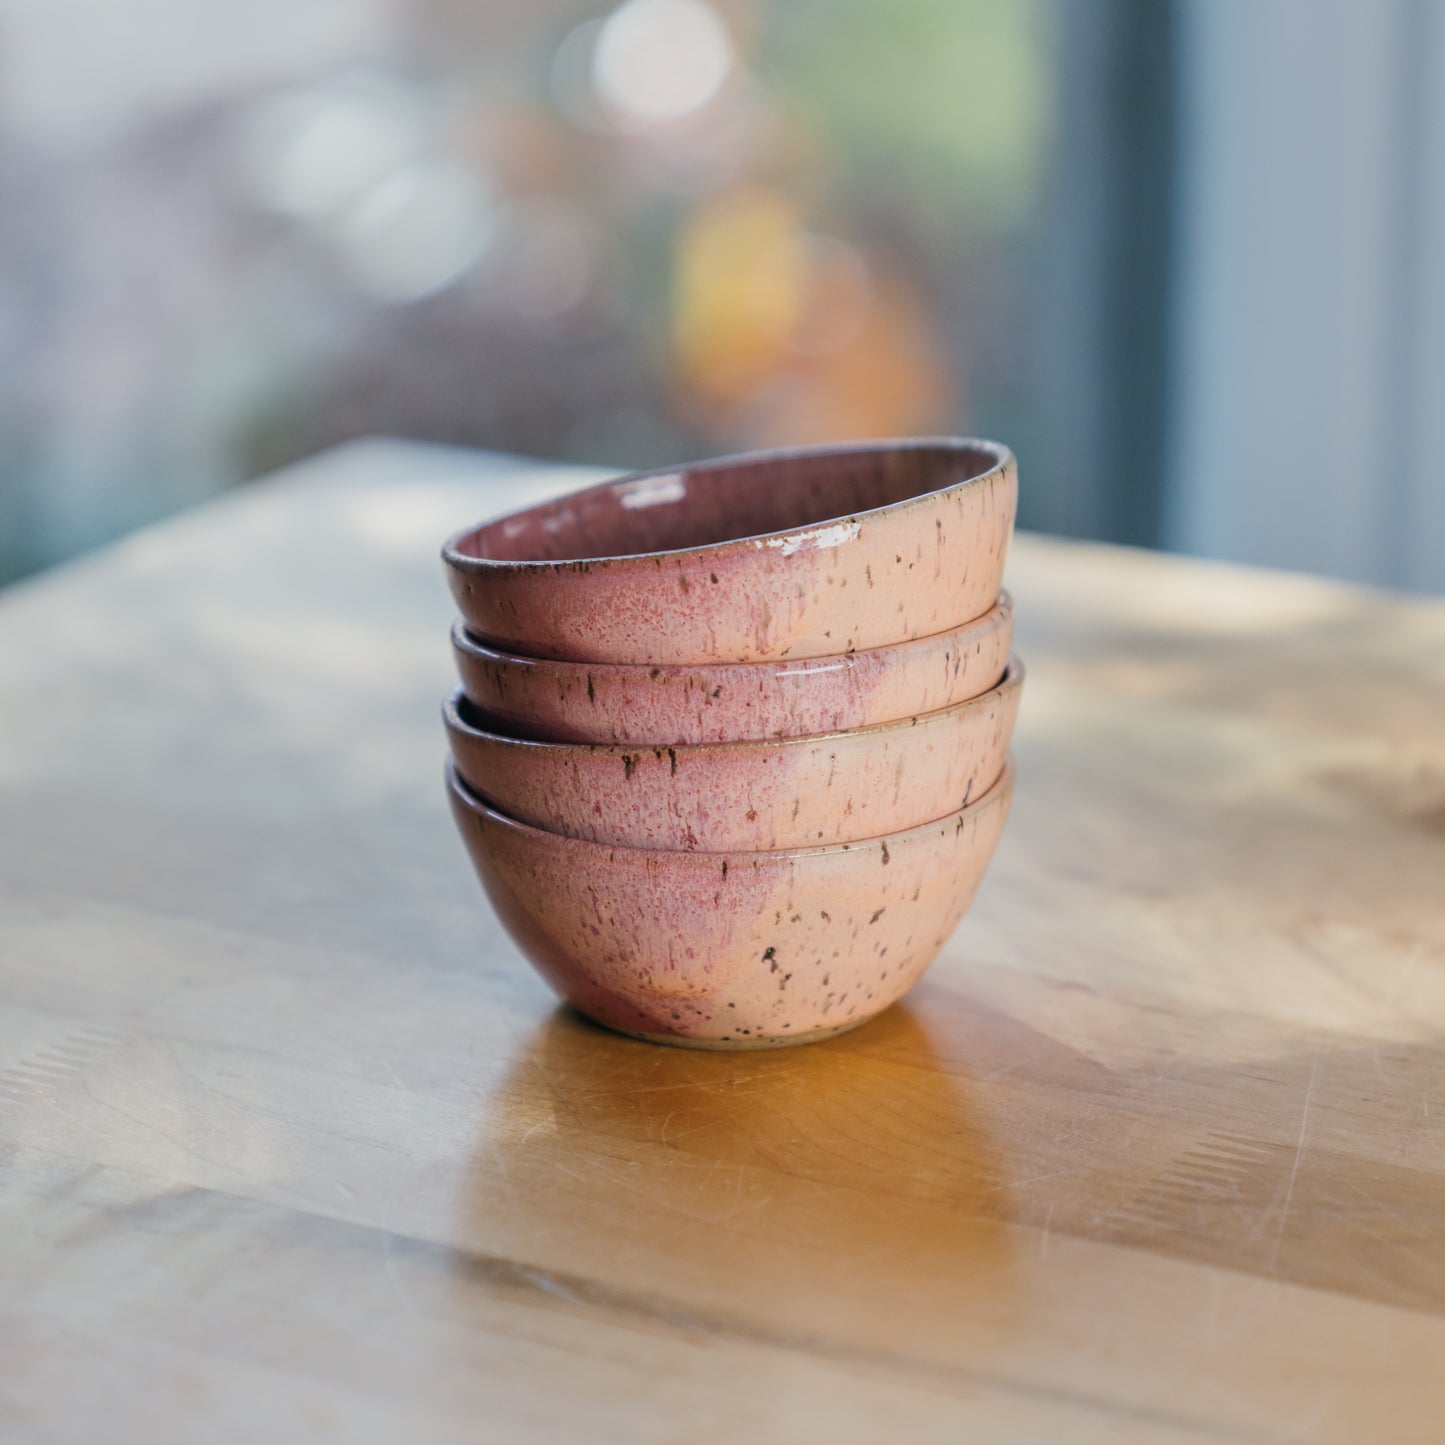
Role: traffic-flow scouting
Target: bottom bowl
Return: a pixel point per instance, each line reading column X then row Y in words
column 732, row 951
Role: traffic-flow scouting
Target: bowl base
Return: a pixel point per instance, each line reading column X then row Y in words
column 761, row 1041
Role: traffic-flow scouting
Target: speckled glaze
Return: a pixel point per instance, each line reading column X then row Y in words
column 580, row 702
column 800, row 553
column 772, row 793
column 743, row 950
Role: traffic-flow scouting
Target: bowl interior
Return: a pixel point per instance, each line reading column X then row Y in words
column 724, row 501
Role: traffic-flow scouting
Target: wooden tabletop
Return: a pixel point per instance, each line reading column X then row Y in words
column 293, row 1146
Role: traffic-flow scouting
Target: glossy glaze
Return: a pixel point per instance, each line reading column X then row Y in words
column 773, row 793
column 614, row 703
column 802, row 553
column 732, row 950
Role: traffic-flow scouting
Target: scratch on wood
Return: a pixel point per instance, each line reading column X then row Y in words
column 1299, row 1150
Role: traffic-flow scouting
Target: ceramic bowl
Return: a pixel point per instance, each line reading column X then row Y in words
column 800, row 553
column 581, row 702
column 772, row 793
column 732, row 950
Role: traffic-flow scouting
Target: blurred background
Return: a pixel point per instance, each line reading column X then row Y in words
column 1186, row 256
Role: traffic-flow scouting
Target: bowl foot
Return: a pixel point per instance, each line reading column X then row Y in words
column 737, row 1045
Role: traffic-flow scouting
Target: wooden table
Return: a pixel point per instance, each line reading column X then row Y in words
column 293, row 1146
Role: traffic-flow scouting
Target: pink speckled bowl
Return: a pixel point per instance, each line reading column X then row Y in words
column 732, row 950
column 579, row 702
column 800, row 553
column 771, row 793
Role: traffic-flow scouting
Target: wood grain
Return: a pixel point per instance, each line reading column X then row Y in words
column 293, row 1147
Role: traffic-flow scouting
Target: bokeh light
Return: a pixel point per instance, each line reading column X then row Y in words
column 416, row 232
column 739, row 290
column 660, row 60
column 783, row 334
column 308, row 151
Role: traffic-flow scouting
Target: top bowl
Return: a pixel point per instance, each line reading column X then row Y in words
column 798, row 553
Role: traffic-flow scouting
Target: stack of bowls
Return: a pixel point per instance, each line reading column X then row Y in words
column 730, row 753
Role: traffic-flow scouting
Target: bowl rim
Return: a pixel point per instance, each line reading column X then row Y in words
column 999, row 793
column 466, row 643
column 1011, row 681
column 1003, row 462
